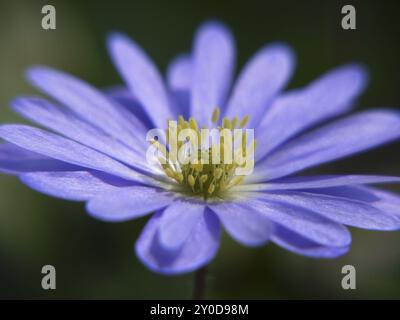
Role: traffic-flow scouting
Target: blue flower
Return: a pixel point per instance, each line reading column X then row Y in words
column 95, row 151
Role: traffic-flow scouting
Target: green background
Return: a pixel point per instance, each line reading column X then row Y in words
column 95, row 259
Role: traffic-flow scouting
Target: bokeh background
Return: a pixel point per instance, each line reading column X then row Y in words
column 95, row 259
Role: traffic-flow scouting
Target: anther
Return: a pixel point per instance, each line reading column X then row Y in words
column 215, row 115
column 244, row 122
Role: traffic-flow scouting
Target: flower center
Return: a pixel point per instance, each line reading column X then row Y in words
column 207, row 162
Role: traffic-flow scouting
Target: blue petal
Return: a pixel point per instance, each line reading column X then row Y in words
column 68, row 125
column 263, row 77
column 75, row 186
column 177, row 223
column 346, row 211
column 16, row 160
column 88, row 103
column 213, row 64
column 248, row 227
column 331, row 95
column 295, row 243
column 57, row 147
column 141, row 76
column 127, row 203
column 362, row 131
column 385, row 201
column 301, row 221
column 127, row 100
column 179, row 79
column 198, row 250
column 179, row 73
column 315, row 182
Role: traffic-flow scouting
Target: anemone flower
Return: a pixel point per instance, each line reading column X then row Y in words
column 94, row 150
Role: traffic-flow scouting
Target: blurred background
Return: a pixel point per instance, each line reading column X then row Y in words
column 95, row 259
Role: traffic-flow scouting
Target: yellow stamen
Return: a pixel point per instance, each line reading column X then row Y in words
column 244, row 122
column 215, row 115
column 210, row 171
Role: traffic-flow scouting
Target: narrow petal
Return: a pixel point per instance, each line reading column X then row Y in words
column 75, row 186
column 301, row 221
column 179, row 79
column 57, row 147
column 346, row 211
column 16, row 160
column 315, row 182
column 213, row 64
column 128, row 203
column 198, row 250
column 48, row 115
column 264, row 76
column 297, row 244
column 248, row 227
column 179, row 73
column 362, row 131
column 89, row 103
column 329, row 96
column 177, row 223
column 385, row 201
column 125, row 99
column 141, row 76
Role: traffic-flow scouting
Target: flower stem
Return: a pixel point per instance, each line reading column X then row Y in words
column 199, row 289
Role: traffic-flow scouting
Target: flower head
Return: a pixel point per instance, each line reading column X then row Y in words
column 95, row 146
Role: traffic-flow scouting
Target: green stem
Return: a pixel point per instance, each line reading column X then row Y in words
column 200, row 279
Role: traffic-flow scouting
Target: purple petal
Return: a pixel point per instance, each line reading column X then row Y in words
column 198, row 250
column 89, row 103
column 126, row 100
column 346, row 211
column 75, row 186
column 301, row 221
column 16, row 160
column 213, row 64
column 328, row 96
column 179, row 79
column 341, row 138
column 141, row 76
column 263, row 77
column 251, row 228
column 300, row 245
column 68, row 125
column 315, row 182
column 57, row 147
column 177, row 223
column 128, row 203
column 179, row 73
column 384, row 201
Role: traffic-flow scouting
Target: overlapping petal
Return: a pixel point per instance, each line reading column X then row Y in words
column 300, row 245
column 341, row 138
column 48, row 115
column 197, row 251
column 141, row 76
column 301, row 221
column 16, row 160
column 263, row 77
column 329, row 96
column 63, row 149
column 74, row 185
column 244, row 224
column 127, row 203
column 178, row 221
column 89, row 103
